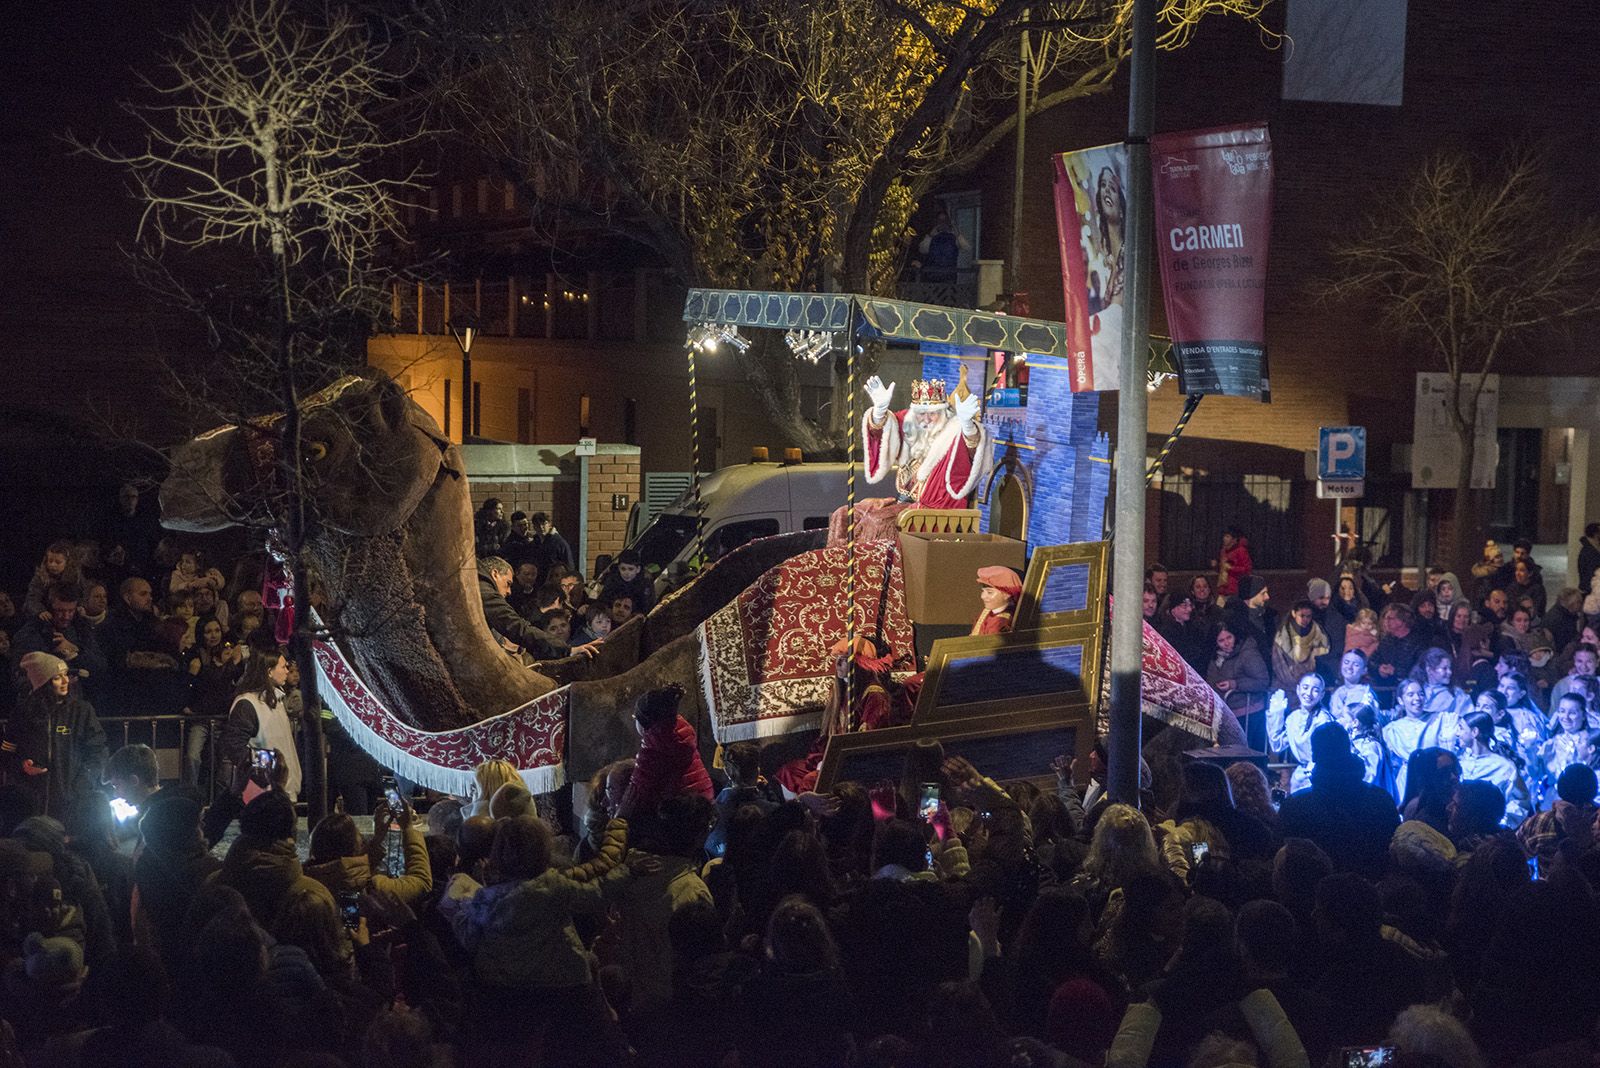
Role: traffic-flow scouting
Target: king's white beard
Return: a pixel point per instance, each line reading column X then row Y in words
column 933, row 446
column 919, row 440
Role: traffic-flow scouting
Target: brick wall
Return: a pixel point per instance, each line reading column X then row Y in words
column 610, row 473
column 1477, row 77
column 529, row 495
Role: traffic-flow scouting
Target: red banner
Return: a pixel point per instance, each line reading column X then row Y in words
column 1213, row 223
column 1091, row 222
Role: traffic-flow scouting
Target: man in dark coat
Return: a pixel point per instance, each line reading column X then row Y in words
column 143, row 675
column 66, row 635
column 1190, row 637
column 521, row 546
column 552, row 547
column 1350, row 819
column 494, row 582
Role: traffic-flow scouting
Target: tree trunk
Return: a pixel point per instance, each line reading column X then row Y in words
column 1465, row 545
column 770, row 369
column 315, row 785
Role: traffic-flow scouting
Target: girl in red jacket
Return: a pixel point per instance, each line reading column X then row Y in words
column 669, row 755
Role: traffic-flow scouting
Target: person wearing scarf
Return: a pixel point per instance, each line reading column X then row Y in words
column 1297, row 645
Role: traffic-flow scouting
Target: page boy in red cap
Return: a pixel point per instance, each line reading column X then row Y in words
column 1001, row 588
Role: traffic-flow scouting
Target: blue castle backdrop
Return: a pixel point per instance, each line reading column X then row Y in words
column 1052, row 447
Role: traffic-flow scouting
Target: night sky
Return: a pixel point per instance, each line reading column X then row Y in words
column 77, row 324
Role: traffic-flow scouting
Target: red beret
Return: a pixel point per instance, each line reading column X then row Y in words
column 1001, row 578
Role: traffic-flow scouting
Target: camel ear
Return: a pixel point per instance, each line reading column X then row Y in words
column 389, row 402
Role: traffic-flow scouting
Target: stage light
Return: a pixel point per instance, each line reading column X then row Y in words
column 703, row 337
column 811, row 345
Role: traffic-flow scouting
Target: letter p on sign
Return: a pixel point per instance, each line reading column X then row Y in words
column 1342, row 453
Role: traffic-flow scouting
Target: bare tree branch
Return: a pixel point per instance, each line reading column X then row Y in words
column 776, row 145
column 260, row 169
column 1467, row 260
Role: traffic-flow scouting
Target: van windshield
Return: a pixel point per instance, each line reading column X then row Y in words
column 661, row 541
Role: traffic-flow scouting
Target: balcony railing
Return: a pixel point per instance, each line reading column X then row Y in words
column 639, row 306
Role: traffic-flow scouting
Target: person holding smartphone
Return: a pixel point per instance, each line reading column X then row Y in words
column 259, row 717
column 346, row 863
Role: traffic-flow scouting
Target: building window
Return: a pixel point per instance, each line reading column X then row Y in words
column 1195, row 509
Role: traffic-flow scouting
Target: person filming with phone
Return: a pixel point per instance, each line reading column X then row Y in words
column 347, row 864
column 259, row 718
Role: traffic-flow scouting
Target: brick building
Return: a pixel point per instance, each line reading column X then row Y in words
column 1476, row 77
column 588, row 498
column 596, row 345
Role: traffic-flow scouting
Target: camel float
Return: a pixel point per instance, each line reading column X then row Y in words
column 414, row 674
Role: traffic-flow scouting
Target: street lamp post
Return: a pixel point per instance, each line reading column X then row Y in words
column 464, row 335
column 1127, row 563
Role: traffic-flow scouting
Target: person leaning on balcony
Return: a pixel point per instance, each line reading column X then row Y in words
column 939, row 251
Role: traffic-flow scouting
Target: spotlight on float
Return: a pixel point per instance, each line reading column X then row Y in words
column 702, row 337
column 810, row 345
column 731, row 335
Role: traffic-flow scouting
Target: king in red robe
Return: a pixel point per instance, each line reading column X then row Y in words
column 938, row 448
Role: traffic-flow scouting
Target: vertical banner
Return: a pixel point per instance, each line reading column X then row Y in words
column 1091, row 222
column 1213, row 222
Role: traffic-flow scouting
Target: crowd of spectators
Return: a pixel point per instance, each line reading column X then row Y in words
column 535, row 599
column 1490, row 671
column 703, row 918
column 1430, row 887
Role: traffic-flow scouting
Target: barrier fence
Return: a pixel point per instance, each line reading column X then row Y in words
column 186, row 746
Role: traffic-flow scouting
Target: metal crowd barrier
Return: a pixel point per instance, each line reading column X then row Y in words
column 169, row 736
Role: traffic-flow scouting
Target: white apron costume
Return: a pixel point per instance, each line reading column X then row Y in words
column 274, row 731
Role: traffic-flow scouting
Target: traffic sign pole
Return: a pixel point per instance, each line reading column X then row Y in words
column 1341, row 471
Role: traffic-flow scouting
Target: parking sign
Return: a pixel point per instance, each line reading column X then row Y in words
column 1341, row 461
column 1342, row 453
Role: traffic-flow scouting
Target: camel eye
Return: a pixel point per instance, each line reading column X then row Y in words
column 316, row 451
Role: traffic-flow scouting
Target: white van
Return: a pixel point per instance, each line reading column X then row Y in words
column 739, row 504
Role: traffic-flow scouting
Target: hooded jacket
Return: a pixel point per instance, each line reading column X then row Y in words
column 520, row 933
column 269, row 876
column 669, row 765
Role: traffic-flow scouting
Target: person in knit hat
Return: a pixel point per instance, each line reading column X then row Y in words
column 669, row 761
column 53, row 743
column 40, row 990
